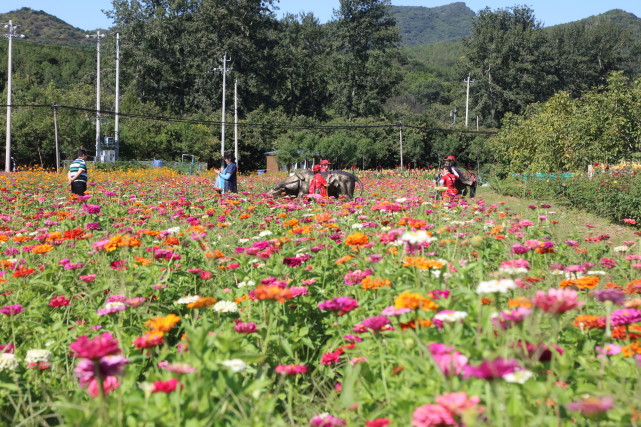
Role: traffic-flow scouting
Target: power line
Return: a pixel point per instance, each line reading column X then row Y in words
column 250, row 124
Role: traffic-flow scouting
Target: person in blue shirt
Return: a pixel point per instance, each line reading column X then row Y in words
column 77, row 175
column 227, row 178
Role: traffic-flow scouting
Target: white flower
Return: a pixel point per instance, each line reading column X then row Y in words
column 235, row 365
column 450, row 316
column 620, row 249
column 146, row 387
column 401, row 200
column 115, row 304
column 596, row 273
column 265, row 233
column 8, row 362
column 513, row 270
column 518, row 377
column 243, row 240
column 357, row 226
column 38, row 356
column 226, row 307
column 495, row 286
column 420, row 236
column 246, row 283
column 173, row 230
column 187, row 299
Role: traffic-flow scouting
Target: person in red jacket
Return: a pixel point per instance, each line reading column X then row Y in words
column 318, row 184
column 448, row 179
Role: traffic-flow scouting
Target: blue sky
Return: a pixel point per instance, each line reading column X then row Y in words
column 86, row 14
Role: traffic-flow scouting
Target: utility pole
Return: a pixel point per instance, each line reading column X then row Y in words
column 224, row 69
column 98, row 36
column 55, row 127
column 10, row 35
column 453, row 114
column 236, row 120
column 467, row 97
column 117, row 118
column 400, row 127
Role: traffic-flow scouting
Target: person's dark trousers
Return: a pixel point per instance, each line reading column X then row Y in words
column 78, row 187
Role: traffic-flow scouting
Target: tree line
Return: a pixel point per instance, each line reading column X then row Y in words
column 349, row 73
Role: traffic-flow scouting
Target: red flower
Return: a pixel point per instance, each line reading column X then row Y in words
column 165, row 386
column 378, row 422
column 59, row 301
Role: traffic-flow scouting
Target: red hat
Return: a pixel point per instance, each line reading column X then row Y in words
column 452, row 158
column 316, row 168
column 325, row 162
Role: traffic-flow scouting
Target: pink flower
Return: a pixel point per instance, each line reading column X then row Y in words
column 290, row 369
column 95, row 348
column 245, row 327
column 356, row 277
column 116, row 298
column 378, row 422
column 448, row 360
column 11, row 310
column 298, row 291
column 615, row 296
column 88, row 278
column 557, row 301
column 329, row 358
column 206, row 275
column 91, row 209
column 608, row 350
column 492, row 369
column 165, row 386
column 148, row 341
column 629, row 221
column 135, row 302
column 7, row 348
column 391, row 311
column 432, row 416
column 88, row 370
column 108, row 385
column 176, row 368
column 590, row 406
column 458, row 403
column 341, row 304
column 507, row 319
column 326, row 420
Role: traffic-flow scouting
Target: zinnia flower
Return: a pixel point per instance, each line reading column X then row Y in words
column 433, row 416
column 341, row 304
column 326, row 420
column 11, row 310
column 557, row 301
column 165, row 386
column 590, row 406
column 491, row 369
column 8, row 362
column 245, row 327
column 290, row 369
column 95, row 348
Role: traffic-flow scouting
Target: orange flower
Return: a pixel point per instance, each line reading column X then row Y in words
column 162, row 324
column 519, row 302
column 323, row 217
column 343, row 259
column 264, row 292
column 357, row 239
column 241, row 299
column 23, row 272
column 291, row 222
column 587, row 282
column 487, row 301
column 422, row 263
column 42, row 249
column 245, row 216
column 631, row 350
column 496, row 230
column 172, row 241
column 413, row 323
column 143, row 261
column 413, row 301
column 202, row 302
column 586, row 321
column 370, row 282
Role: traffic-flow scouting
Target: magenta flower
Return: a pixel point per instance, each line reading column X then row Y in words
column 557, row 301
column 135, row 302
column 245, row 327
column 326, row 420
column 356, row 277
column 376, row 323
column 11, row 310
column 625, row 316
column 341, row 304
column 290, row 369
column 608, row 350
column 176, row 368
column 491, row 369
column 507, row 319
column 615, row 296
column 458, row 403
column 91, row 209
column 298, row 291
column 100, row 346
column 7, row 348
column 391, row 311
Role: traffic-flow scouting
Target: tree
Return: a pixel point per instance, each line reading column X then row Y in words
column 505, row 55
column 366, row 50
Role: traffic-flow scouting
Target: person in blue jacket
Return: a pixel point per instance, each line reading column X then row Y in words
column 226, row 180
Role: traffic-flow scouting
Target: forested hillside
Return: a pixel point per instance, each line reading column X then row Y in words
column 420, row 25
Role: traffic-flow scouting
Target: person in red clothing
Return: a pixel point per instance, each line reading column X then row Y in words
column 448, row 179
column 318, row 184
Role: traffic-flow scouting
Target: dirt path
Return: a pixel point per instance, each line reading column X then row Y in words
column 572, row 224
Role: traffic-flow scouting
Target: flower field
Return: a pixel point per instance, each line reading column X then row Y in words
column 154, row 301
